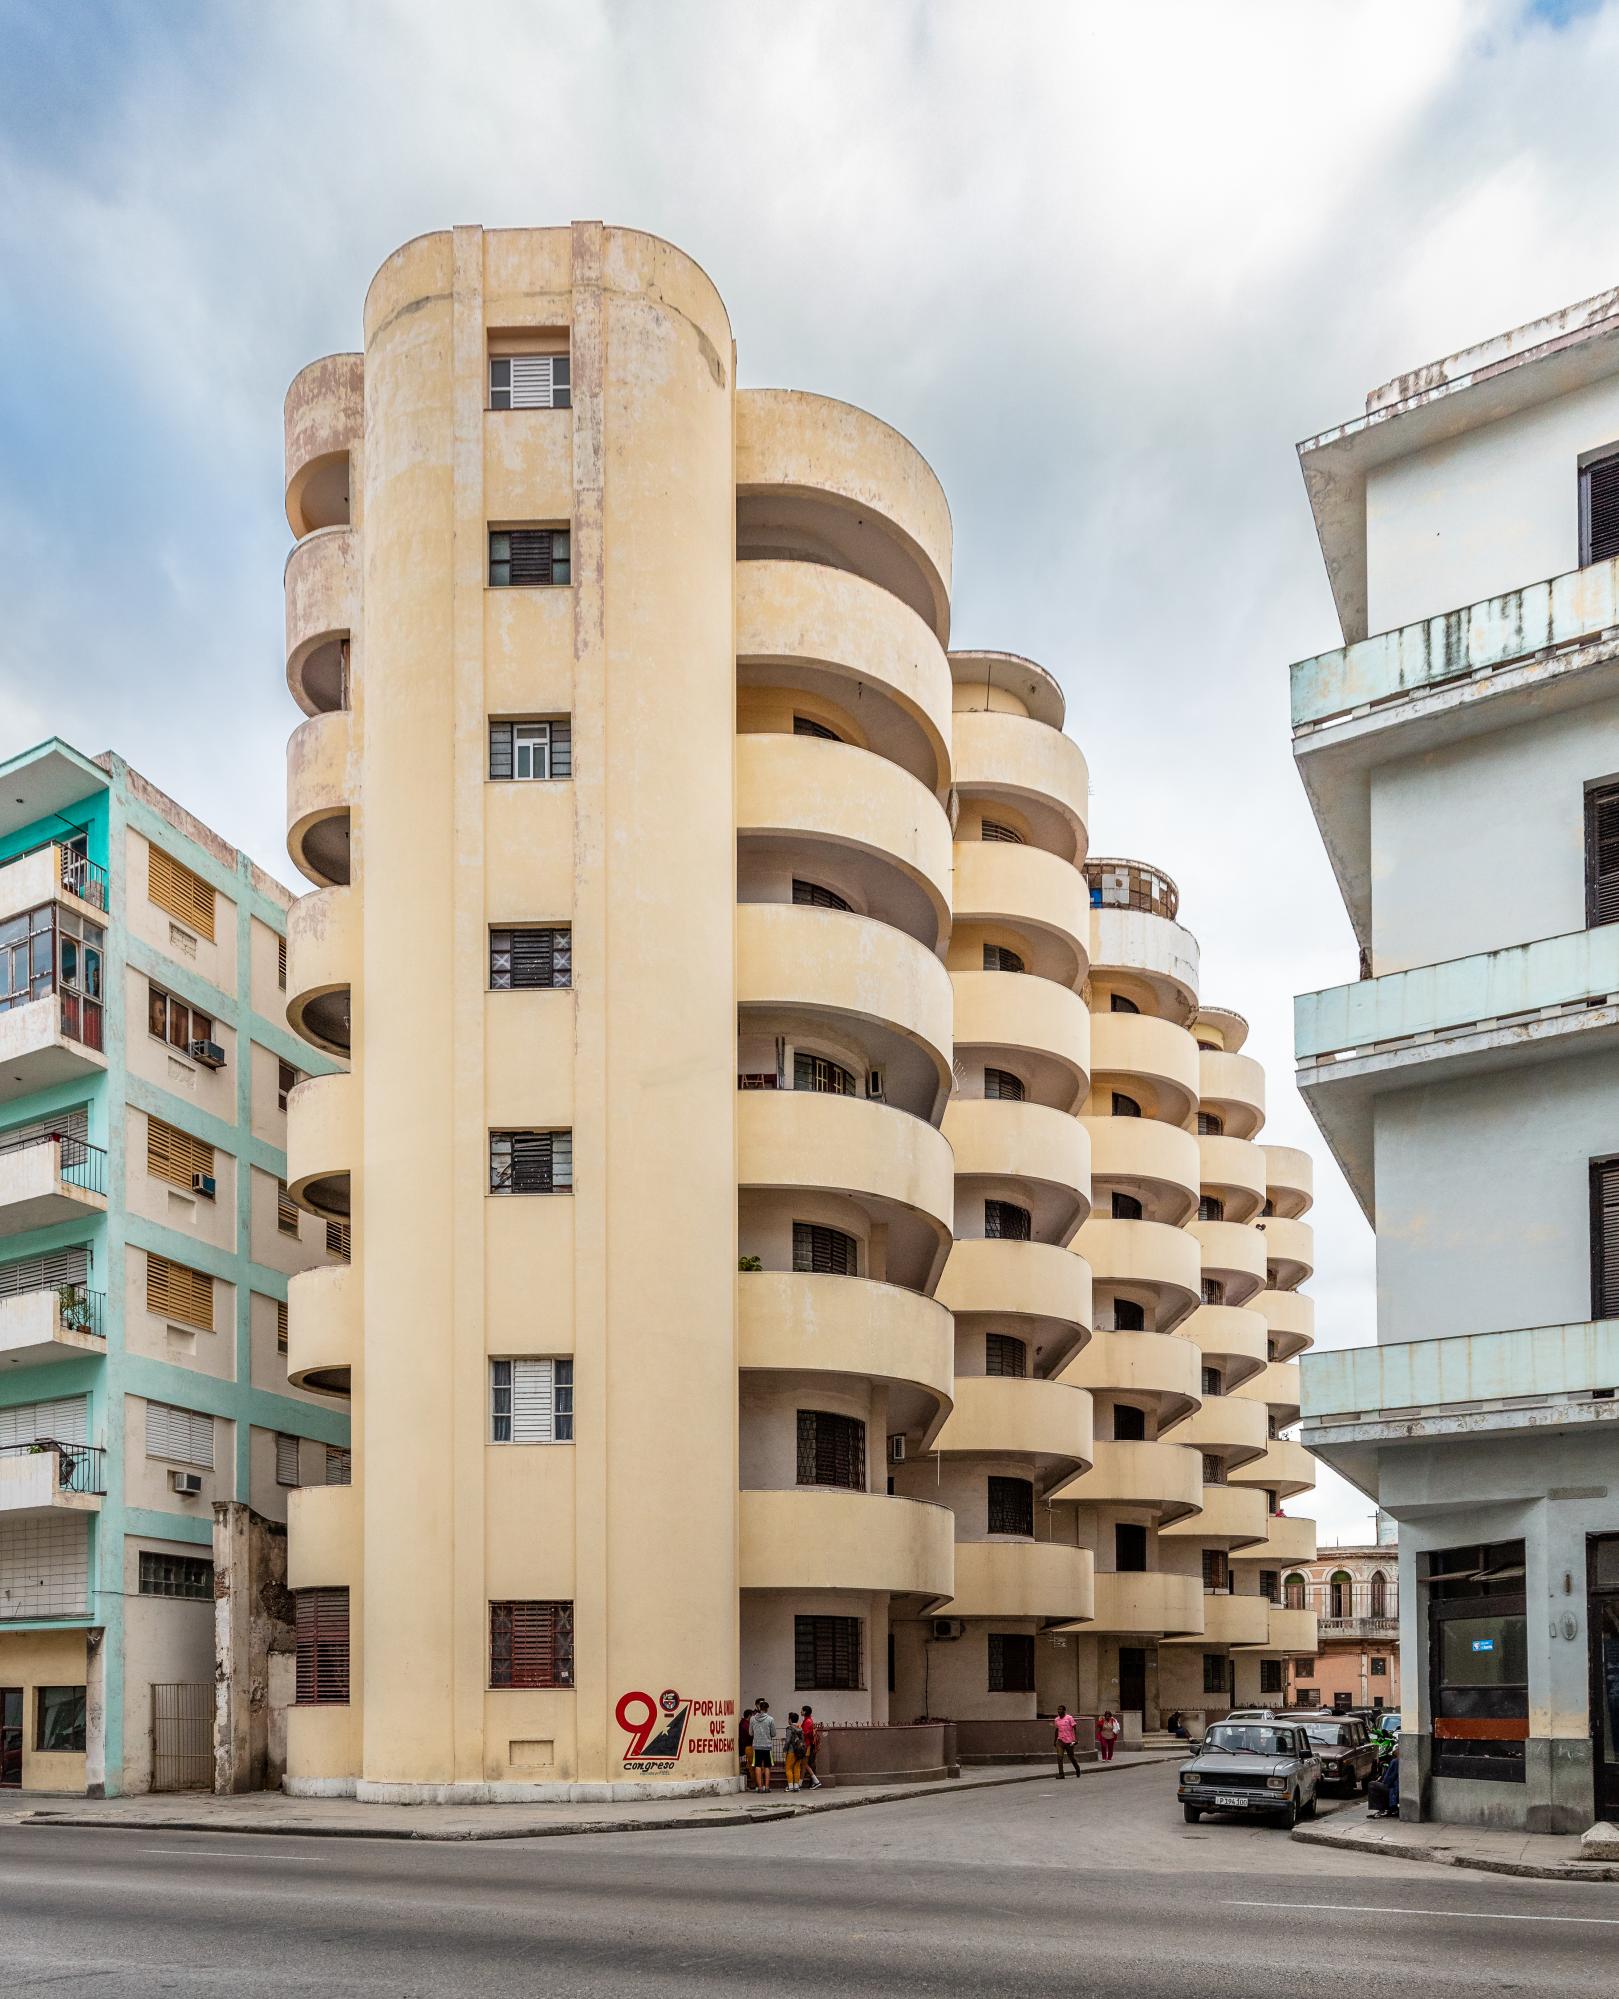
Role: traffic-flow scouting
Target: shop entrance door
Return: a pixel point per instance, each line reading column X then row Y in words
column 1132, row 1678
column 11, row 1738
column 1604, row 1627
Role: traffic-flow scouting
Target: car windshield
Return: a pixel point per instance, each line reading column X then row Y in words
column 1253, row 1740
column 1334, row 1733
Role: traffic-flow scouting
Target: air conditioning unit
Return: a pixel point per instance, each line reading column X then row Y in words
column 187, row 1483
column 896, row 1450
column 208, row 1053
column 949, row 1627
column 874, row 1086
column 205, row 1185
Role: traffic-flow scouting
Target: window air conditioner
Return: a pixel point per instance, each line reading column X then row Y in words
column 187, row 1483
column 896, row 1449
column 949, row 1627
column 208, row 1053
column 205, row 1185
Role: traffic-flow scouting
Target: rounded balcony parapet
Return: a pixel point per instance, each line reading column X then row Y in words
column 321, row 586
column 1041, row 1290
column 1226, row 1426
column 323, row 1537
column 1233, row 1253
column 1229, row 1516
column 323, row 949
column 1290, row 1320
column 1042, row 1027
column 323, row 420
column 1130, row 1049
column 1030, row 892
column 323, row 1143
column 1233, row 1170
column 321, row 784
column 1006, row 683
column 1290, row 1631
column 1148, row 1603
column 817, row 1538
column 1275, row 1388
column 1145, row 1257
column 324, row 1330
column 1039, row 772
column 1047, row 1423
column 1039, row 1579
column 1289, row 1180
column 1230, row 1619
column 1148, row 958
column 1155, row 1163
column 1234, row 1087
column 1161, row 1367
column 1232, row 1338
column 1045, row 1152
column 1286, row 1468
column 1289, row 1251
column 1165, row 1478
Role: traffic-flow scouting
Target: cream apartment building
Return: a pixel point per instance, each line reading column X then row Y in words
column 809, row 1237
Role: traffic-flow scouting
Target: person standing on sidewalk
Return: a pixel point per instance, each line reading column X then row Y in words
column 1108, row 1731
column 812, row 1745
column 1065, row 1733
column 793, row 1752
column 762, row 1735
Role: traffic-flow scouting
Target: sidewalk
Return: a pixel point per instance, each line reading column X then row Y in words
column 338, row 1818
column 1537, row 1856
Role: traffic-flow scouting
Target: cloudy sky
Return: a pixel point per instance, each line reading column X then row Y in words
column 1103, row 264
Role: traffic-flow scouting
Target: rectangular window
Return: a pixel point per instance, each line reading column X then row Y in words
column 1011, row 1662
column 528, row 555
column 1213, row 1291
column 64, row 1420
column 56, row 1270
column 286, row 1210
column 1129, row 1423
column 1211, row 1209
column 1129, row 1548
column 826, row 1654
column 172, row 1021
column 1004, row 1355
column 831, row 1450
column 286, row 1459
column 187, row 1576
column 1213, row 1381
column 1270, row 1585
column 815, row 1072
column 59, row 1721
column 176, row 1291
column 175, row 1155
column 1605, row 1238
column 1011, row 1506
column 1128, row 1316
column 829, row 1251
column 181, row 894
column 1601, row 854
column 531, row 1644
column 339, row 1465
column 530, row 1162
column 281, row 963
column 530, row 382
column 287, row 1080
column 322, row 1625
column 1214, row 1672
column 811, row 895
column 1209, row 1125
column 281, row 1325
column 340, row 1240
column 1001, row 1086
column 531, row 752
column 531, row 1401
column 1599, row 509
column 530, row 960
column 1478, row 1660
column 1005, row 1221
column 1270, row 1676
column 180, row 1436
column 1380, row 1668
column 1216, row 1571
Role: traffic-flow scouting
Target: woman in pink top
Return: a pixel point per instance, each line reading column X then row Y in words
column 1108, row 1729
column 1065, row 1733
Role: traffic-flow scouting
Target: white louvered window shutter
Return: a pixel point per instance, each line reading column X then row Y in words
column 529, row 381
column 65, row 1420
column 286, row 1459
column 531, row 1401
column 183, row 1436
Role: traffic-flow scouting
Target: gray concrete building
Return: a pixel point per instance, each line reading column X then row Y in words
column 1461, row 755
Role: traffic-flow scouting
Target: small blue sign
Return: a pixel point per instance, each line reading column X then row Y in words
column 1483, row 1644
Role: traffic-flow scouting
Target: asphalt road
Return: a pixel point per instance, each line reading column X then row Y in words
column 1077, row 1890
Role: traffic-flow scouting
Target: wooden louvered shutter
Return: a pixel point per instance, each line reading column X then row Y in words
column 176, row 1155
column 829, row 1251
column 1602, row 854
column 176, row 1291
column 1599, row 510
column 1605, row 1238
column 531, row 1644
column 184, row 895
column 323, row 1647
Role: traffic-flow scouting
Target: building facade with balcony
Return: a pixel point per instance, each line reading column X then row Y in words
column 716, row 956
column 1354, row 1593
column 1461, row 754
column 146, row 1242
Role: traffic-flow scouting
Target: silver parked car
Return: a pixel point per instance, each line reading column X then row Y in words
column 1251, row 1767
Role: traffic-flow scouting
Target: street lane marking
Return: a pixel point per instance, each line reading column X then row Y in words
column 1462, row 1915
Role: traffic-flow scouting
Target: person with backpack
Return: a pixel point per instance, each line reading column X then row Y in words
column 1065, row 1732
column 762, row 1738
column 793, row 1747
column 812, row 1745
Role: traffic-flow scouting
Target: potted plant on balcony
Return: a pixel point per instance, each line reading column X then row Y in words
column 73, row 1308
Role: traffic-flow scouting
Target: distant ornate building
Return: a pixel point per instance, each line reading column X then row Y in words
column 1355, row 1595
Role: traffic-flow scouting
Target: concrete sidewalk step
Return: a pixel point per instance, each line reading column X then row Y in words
column 1535, row 1856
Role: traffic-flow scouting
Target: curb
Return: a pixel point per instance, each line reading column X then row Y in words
column 1438, row 1856
column 741, row 1815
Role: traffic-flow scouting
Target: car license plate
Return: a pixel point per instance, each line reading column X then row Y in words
column 1228, row 1802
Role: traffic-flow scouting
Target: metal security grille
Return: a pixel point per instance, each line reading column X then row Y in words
column 530, row 381
column 528, row 555
column 1211, row 1209
column 997, row 958
column 1209, row 1126
column 1213, row 1469
column 531, row 750
column 806, row 725
column 993, row 829
column 175, row 1155
column 1011, row 1662
column 44, row 1567
column 1005, row 1356
column 826, row 1654
column 1216, row 1570
column 1605, row 1238
column 831, row 1450
column 1002, row 1086
column 183, row 895
column 531, row 1644
column 1011, row 1506
column 1128, row 1316
column 523, row 960
column 176, row 1291
column 1602, row 854
column 1599, row 510
column 811, row 895
column 1005, row 1221
column 530, row 1162
column 829, row 1251
column 183, row 1736
column 322, row 1625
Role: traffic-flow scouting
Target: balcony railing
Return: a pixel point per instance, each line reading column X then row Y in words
column 1131, row 885
column 1358, row 1627
column 76, row 873
column 81, row 1311
column 79, row 1163
column 80, row 1468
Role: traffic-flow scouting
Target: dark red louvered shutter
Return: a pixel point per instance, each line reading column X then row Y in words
column 1605, row 1238
column 1602, row 854
column 322, row 1629
column 1599, row 510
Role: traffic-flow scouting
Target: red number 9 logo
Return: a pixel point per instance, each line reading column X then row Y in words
column 641, row 1727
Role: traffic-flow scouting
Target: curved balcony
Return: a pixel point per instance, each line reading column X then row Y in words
column 323, row 419
column 1044, row 1152
column 888, row 832
column 1168, row 1478
column 1233, row 1086
column 897, row 1166
column 323, row 1143
column 1287, row 1540
column 1153, row 1605
column 1038, row 770
column 1157, row 1366
column 322, row 589
column 821, row 481
column 796, row 1322
column 1233, row 1338
column 1289, row 1251
column 813, row 1538
column 1276, row 1389
column 1041, row 1579
column 1233, row 1252
column 1006, row 683
column 1226, row 1426
column 1229, row 1517
column 836, row 963
column 1289, row 1180
column 1153, row 1061
column 324, row 1329
column 1045, row 1027
column 323, row 1536
column 1290, row 1631
column 1044, row 1289
column 1044, row 1422
column 1233, row 1169
column 1290, row 1321
column 1231, row 1620
column 806, row 624
column 1141, row 949
column 323, row 947
column 1157, row 1163
column 1032, row 893
column 1286, row 1468
column 320, row 791
column 1145, row 1257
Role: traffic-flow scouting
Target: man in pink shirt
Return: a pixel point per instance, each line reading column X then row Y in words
column 1065, row 1732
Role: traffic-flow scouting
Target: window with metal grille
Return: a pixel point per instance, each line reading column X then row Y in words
column 1214, row 1672
column 995, row 829
column 187, row 1576
column 811, row 895
column 173, row 1021
column 287, row 1080
column 1117, row 1003
column 1602, row 854
column 1270, row 1585
column 829, row 1251
column 1599, row 509
column 1004, row 1355
column 1213, row 1381
column 826, row 1654
column 534, row 751
column 1124, row 1106
column 281, row 963
column 1270, row 1676
column 1011, row 1662
column 1005, row 1221
column 281, row 1325
column 530, row 1162
column 816, row 1072
column 1605, row 1238
column 1001, row 1086
column 286, row 1210
column 531, row 1401
column 1213, row 1469
column 1128, row 1316
column 530, row 382
column 997, row 958
column 1129, row 1423
column 1011, row 1506
column 528, row 555
column 176, row 1291
column 831, row 1450
column 1213, row 1291
column 1211, row 1209
column 1129, row 1548
column 1216, row 1571
column 286, row 1459
column 180, row 893
column 180, row 1436
column 806, row 725
column 175, row 1155
column 1125, row 1208
column 339, row 1465
column 530, row 960
column 1210, row 1126
column 321, row 1621
column 57, row 1270
column 530, row 1644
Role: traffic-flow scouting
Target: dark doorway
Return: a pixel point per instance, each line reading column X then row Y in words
column 1603, row 1558
column 11, row 1738
column 1132, row 1677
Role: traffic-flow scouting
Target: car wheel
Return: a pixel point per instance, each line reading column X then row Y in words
column 1191, row 1814
column 1290, row 1814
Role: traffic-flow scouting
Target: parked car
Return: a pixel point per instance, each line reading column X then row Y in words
column 1346, row 1750
column 1252, row 1714
column 1264, row 1766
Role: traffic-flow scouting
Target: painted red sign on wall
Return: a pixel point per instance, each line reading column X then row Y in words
column 664, row 1731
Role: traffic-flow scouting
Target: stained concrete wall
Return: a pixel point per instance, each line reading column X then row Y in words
column 254, row 1648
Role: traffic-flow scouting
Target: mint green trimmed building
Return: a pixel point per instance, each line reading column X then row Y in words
column 146, row 1242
